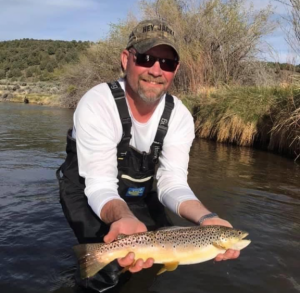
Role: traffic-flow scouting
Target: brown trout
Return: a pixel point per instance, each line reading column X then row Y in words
column 170, row 246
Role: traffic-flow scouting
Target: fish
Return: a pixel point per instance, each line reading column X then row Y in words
column 171, row 246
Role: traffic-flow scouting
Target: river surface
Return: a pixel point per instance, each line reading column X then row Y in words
column 256, row 191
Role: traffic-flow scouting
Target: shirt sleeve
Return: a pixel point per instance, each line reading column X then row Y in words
column 97, row 134
column 172, row 185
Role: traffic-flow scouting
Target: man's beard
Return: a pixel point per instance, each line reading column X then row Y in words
column 150, row 99
column 150, row 95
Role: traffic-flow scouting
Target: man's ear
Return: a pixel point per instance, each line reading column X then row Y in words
column 124, row 59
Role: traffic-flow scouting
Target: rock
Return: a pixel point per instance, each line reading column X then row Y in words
column 4, row 96
column 26, row 100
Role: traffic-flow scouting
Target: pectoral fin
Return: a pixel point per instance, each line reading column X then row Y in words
column 219, row 246
column 170, row 266
column 237, row 246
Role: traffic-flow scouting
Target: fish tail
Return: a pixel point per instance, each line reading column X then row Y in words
column 89, row 259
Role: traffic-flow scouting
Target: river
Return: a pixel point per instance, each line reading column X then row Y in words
column 256, row 191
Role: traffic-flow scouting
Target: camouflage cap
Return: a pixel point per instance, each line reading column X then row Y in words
column 151, row 33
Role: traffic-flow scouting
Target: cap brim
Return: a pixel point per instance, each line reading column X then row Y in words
column 148, row 44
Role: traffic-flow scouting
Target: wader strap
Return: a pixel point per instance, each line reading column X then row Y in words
column 162, row 129
column 120, row 100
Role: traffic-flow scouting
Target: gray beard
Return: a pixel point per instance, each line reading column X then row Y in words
column 148, row 100
column 144, row 97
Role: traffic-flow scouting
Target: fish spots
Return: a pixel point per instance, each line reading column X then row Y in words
column 183, row 238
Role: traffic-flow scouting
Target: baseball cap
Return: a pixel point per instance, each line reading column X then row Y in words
column 151, row 33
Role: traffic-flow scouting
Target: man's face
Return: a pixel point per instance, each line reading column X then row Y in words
column 148, row 83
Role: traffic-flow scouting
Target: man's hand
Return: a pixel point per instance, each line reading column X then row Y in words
column 230, row 253
column 128, row 225
column 193, row 210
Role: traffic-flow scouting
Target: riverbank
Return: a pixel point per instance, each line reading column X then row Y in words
column 38, row 93
column 264, row 117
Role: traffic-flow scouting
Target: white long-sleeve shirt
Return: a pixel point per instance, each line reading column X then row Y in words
column 98, row 130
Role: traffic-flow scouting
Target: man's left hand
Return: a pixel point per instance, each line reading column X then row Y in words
column 230, row 253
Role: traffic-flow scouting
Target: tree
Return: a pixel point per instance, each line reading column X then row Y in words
column 219, row 40
column 293, row 35
column 219, row 43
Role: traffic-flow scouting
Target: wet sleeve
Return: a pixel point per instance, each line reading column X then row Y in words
column 172, row 185
column 97, row 132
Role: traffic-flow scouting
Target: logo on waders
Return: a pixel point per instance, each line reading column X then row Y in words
column 132, row 191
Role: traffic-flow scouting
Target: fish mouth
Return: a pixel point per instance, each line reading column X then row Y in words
column 241, row 244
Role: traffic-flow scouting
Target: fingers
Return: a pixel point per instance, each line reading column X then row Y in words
column 216, row 221
column 140, row 264
column 135, row 266
column 127, row 260
column 229, row 254
column 111, row 235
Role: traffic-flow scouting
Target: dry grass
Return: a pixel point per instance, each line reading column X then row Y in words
column 230, row 128
column 285, row 134
column 233, row 129
column 37, row 99
column 266, row 117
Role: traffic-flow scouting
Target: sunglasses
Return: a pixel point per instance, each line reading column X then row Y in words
column 146, row 60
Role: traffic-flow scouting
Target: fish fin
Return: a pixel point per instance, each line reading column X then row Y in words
column 90, row 263
column 219, row 246
column 170, row 266
column 124, row 270
column 162, row 270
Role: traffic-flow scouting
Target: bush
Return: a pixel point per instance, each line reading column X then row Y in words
column 49, row 67
column 51, row 50
column 29, row 72
column 219, row 42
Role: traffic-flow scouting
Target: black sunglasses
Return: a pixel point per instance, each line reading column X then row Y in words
column 146, row 60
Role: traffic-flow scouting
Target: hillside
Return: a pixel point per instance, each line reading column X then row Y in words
column 37, row 60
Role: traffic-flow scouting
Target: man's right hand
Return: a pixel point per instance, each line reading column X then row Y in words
column 128, row 225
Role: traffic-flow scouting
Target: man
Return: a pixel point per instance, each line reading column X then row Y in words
column 123, row 132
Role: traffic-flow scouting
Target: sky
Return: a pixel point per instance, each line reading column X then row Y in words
column 89, row 20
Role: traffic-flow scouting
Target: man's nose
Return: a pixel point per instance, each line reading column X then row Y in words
column 155, row 70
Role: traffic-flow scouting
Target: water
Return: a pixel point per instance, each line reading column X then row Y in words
column 256, row 191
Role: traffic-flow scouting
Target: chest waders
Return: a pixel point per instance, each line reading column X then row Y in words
column 136, row 172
